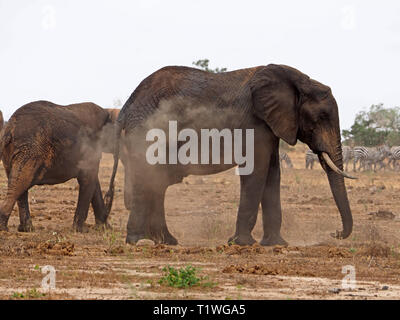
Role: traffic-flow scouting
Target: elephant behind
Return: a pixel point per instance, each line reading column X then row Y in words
column 45, row 143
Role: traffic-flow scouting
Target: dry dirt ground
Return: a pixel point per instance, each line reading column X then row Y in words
column 201, row 213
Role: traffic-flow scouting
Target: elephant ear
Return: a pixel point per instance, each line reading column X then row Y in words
column 277, row 94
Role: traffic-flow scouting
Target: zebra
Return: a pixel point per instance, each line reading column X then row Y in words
column 378, row 155
column 369, row 157
column 283, row 156
column 347, row 155
column 394, row 156
column 310, row 158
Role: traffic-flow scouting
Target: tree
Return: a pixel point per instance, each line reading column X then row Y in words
column 376, row 126
column 203, row 64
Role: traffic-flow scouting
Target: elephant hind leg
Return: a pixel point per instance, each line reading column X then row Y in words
column 147, row 215
column 87, row 185
column 100, row 212
column 24, row 214
column 20, row 179
column 158, row 225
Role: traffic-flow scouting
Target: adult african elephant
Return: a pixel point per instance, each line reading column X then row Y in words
column 45, row 143
column 276, row 101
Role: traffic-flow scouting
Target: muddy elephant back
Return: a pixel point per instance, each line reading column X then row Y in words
column 90, row 114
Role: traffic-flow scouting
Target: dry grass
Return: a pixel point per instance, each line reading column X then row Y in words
column 201, row 213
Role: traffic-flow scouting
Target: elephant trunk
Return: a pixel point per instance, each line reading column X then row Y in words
column 336, row 182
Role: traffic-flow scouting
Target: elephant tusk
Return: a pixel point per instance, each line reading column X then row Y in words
column 330, row 163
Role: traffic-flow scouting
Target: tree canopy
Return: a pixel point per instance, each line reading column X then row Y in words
column 203, row 64
column 376, row 126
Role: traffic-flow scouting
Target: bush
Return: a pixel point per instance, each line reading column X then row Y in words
column 182, row 278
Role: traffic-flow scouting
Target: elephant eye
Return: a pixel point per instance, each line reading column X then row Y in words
column 324, row 115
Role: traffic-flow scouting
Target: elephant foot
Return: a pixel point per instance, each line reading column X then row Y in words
column 3, row 223
column 27, row 227
column 168, row 238
column 162, row 235
column 242, row 240
column 80, row 227
column 163, row 238
column 133, row 238
column 272, row 240
column 103, row 226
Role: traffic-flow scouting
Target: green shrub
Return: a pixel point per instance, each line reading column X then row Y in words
column 182, row 278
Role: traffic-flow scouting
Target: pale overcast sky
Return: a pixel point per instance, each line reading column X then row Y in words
column 69, row 51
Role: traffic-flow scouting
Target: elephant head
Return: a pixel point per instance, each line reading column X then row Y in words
column 297, row 107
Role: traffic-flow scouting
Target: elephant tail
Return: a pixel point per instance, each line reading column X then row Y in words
column 109, row 196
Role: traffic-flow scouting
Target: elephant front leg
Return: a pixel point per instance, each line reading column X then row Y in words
column 271, row 207
column 251, row 191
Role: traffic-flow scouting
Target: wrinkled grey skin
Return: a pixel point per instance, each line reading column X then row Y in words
column 277, row 101
column 45, row 143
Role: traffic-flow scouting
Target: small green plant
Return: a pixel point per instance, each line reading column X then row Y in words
column 353, row 250
column 232, row 242
column 182, row 278
column 58, row 238
column 112, row 239
column 29, row 294
column 150, row 282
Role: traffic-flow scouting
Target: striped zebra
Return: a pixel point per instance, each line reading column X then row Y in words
column 310, row 158
column 370, row 157
column 394, row 156
column 347, row 155
column 283, row 156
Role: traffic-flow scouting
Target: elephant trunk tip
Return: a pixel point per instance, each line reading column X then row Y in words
column 344, row 234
